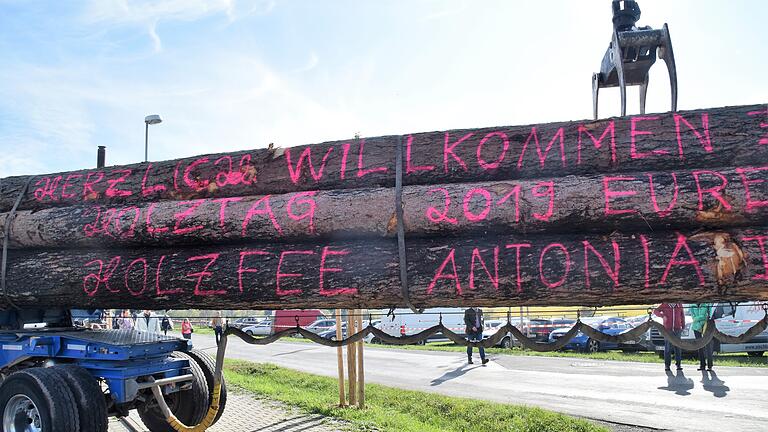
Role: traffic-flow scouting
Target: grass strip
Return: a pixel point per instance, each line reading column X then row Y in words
column 731, row 359
column 396, row 410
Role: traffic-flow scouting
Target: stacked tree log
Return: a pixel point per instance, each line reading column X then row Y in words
column 618, row 211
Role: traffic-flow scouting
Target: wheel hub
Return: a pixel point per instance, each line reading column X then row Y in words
column 21, row 415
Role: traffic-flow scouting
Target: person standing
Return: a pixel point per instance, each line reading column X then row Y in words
column 473, row 319
column 186, row 329
column 166, row 324
column 218, row 326
column 674, row 321
column 125, row 322
column 148, row 322
column 701, row 313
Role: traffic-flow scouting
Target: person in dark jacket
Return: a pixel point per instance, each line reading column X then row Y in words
column 473, row 319
column 674, row 321
column 166, row 324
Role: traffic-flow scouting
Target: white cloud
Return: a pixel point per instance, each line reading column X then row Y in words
column 312, row 62
column 232, row 102
column 147, row 14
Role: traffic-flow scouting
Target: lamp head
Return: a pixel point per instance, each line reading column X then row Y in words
column 152, row 119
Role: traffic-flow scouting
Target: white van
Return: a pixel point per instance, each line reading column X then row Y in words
column 737, row 318
column 406, row 323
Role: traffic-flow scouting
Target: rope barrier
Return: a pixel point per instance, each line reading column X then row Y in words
column 633, row 334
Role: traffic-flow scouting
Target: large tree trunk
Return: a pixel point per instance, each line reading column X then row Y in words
column 629, row 202
column 496, row 271
column 733, row 136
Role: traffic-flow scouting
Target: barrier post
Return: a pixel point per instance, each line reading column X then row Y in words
column 360, row 369
column 351, row 360
column 340, row 360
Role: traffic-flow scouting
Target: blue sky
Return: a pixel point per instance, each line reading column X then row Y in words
column 229, row 75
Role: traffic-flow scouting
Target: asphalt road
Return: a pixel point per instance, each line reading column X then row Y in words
column 731, row 399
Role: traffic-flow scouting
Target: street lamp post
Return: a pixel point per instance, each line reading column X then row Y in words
column 148, row 120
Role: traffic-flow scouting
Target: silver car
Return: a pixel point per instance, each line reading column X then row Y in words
column 263, row 328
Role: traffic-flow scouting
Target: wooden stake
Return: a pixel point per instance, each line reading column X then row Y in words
column 360, row 368
column 351, row 360
column 340, row 358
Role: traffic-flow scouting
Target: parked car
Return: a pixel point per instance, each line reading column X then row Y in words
column 330, row 334
column 322, row 325
column 508, row 341
column 406, row 323
column 242, row 323
column 581, row 342
column 736, row 319
column 644, row 343
column 263, row 328
column 539, row 329
column 289, row 318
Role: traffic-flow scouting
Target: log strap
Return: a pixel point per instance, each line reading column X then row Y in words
column 403, row 259
column 631, row 335
column 6, row 235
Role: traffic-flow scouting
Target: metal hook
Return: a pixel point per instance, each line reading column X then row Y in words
column 441, row 318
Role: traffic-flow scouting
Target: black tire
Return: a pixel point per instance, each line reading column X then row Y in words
column 91, row 404
column 506, row 343
column 375, row 341
column 189, row 406
column 48, row 391
column 249, row 333
column 592, row 346
column 756, row 353
column 208, row 365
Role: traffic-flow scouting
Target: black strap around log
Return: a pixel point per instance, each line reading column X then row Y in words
column 6, row 235
column 401, row 226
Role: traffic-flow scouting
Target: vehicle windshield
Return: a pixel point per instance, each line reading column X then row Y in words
column 606, row 323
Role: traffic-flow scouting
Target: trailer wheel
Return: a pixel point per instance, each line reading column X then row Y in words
column 37, row 399
column 208, row 365
column 189, row 406
column 91, row 404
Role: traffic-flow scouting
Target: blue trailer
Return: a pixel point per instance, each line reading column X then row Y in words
column 61, row 378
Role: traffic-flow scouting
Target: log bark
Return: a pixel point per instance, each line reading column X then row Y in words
column 495, row 271
column 716, row 198
column 731, row 136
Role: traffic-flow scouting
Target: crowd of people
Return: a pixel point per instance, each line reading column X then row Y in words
column 146, row 321
column 673, row 319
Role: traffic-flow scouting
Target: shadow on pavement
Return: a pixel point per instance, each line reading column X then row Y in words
column 678, row 383
column 295, row 424
column 461, row 370
column 712, row 383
